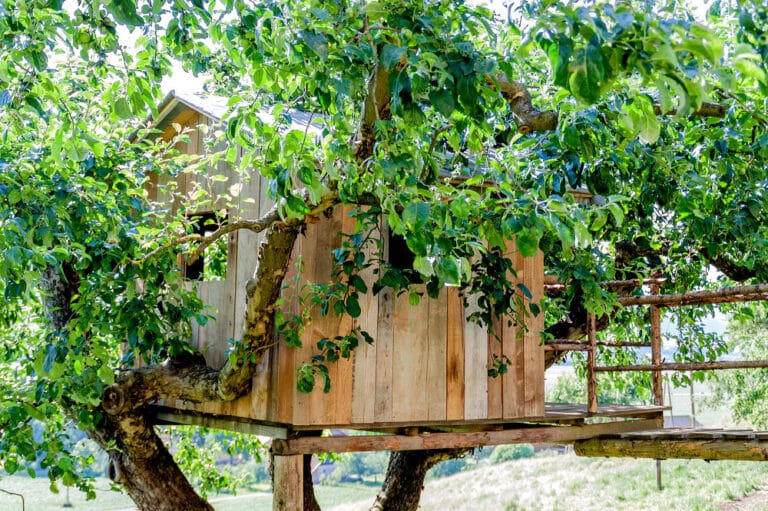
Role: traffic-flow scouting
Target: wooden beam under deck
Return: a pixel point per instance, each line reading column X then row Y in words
column 532, row 434
column 706, row 444
column 555, row 413
column 170, row 416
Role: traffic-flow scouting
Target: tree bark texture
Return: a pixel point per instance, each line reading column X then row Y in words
column 401, row 490
column 140, row 462
column 310, row 501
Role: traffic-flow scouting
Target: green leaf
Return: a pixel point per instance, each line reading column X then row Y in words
column 106, row 375
column 353, row 306
column 391, row 55
column 124, row 11
column 375, row 10
column 5, row 97
column 358, row 283
column 447, row 270
column 527, row 243
column 442, row 100
column 416, row 214
column 318, row 43
column 588, row 73
column 123, row 108
column 50, row 358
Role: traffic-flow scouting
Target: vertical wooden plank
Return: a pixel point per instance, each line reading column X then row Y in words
column 288, row 483
column 513, row 397
column 534, row 350
column 382, row 407
column 454, row 365
column 285, row 386
column 255, row 404
column 494, row 384
column 322, row 406
column 437, row 356
column 308, row 254
column 658, row 391
column 409, row 363
column 384, row 346
column 475, row 372
column 591, row 354
column 345, row 374
column 364, row 377
column 283, row 379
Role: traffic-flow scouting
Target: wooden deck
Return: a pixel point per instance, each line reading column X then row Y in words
column 683, row 443
column 554, row 414
column 564, row 412
column 561, row 423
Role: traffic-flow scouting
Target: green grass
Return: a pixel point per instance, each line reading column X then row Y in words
column 567, row 482
column 545, row 483
column 38, row 497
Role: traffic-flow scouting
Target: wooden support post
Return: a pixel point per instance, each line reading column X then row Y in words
column 658, row 475
column 658, row 390
column 288, row 483
column 591, row 361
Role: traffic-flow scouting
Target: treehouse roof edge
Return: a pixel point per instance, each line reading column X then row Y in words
column 216, row 108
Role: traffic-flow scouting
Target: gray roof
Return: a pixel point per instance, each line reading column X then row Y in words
column 216, row 106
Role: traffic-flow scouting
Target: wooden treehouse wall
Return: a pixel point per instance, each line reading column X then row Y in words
column 428, row 364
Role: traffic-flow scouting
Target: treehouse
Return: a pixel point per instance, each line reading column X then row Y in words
column 424, row 382
column 428, row 365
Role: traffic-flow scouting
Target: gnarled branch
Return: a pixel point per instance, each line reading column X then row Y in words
column 528, row 117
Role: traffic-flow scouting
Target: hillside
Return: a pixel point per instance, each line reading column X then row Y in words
column 566, row 482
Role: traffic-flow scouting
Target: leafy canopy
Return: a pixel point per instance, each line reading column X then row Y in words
column 448, row 168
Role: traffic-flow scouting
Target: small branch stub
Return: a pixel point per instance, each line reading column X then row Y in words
column 113, row 400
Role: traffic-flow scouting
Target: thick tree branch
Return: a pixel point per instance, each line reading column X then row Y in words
column 187, row 378
column 531, row 119
column 730, row 269
column 375, row 107
column 527, row 116
column 705, row 110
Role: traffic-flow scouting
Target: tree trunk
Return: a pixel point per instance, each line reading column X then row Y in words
column 140, row 462
column 404, row 482
column 310, row 502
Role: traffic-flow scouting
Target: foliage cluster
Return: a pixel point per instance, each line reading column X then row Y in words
column 89, row 265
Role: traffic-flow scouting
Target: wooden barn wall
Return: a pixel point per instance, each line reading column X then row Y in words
column 427, row 366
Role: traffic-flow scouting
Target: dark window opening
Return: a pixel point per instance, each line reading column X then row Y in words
column 212, row 263
column 401, row 258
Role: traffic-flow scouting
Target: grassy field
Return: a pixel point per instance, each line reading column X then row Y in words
column 567, row 482
column 548, row 482
column 38, row 497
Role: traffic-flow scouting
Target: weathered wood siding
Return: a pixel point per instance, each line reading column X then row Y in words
column 428, row 364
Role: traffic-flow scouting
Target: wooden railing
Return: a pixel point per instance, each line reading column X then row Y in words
column 655, row 301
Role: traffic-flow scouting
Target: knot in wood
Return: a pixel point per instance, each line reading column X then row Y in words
column 112, row 400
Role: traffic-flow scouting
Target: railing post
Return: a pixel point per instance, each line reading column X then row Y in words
column 658, row 390
column 591, row 362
